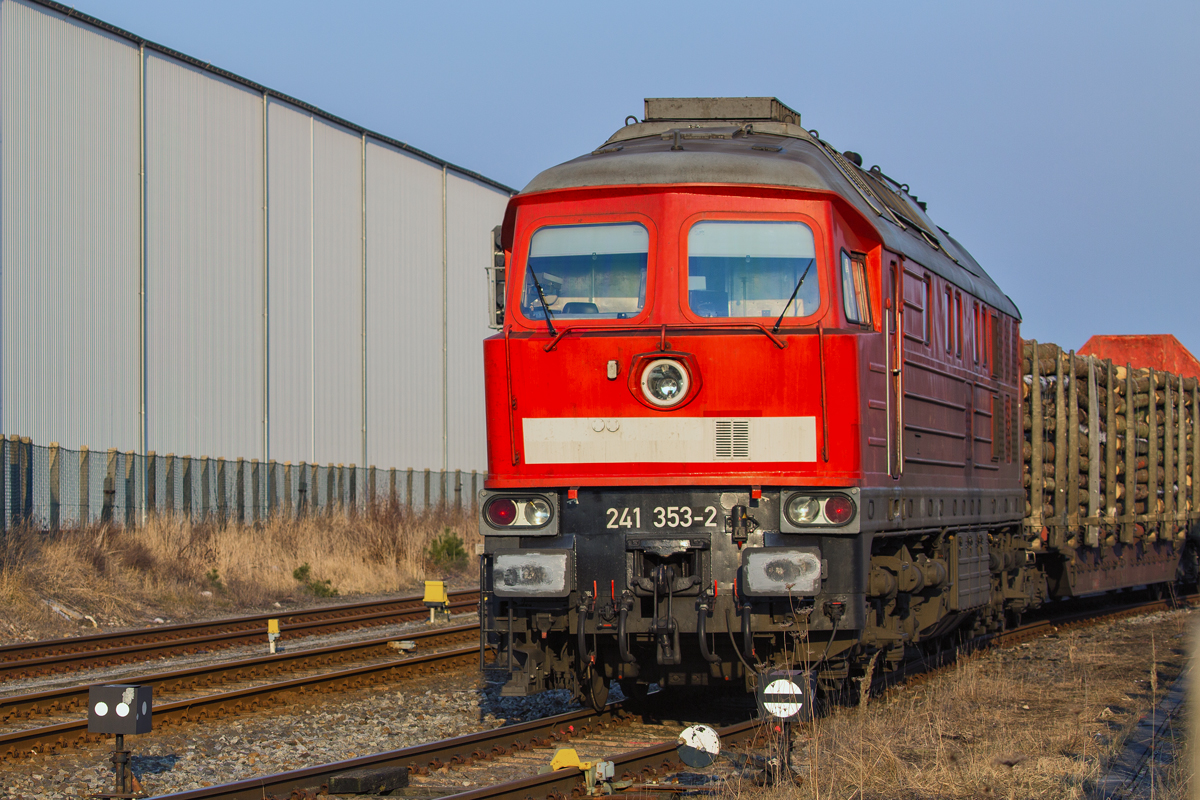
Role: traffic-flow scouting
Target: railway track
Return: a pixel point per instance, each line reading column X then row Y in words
column 484, row 753
column 385, row 664
column 28, row 659
column 524, row 747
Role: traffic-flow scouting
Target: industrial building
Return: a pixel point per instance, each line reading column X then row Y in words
column 193, row 263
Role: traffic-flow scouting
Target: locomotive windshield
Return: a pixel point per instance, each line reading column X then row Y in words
column 587, row 271
column 750, row 269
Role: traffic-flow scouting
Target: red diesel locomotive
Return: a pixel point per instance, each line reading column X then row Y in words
column 749, row 407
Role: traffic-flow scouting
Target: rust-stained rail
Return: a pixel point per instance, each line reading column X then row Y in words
column 37, row 658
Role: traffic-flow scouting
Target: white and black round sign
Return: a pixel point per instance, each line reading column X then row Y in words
column 784, row 694
column 699, row 746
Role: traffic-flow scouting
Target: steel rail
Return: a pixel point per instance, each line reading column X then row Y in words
column 51, row 738
column 71, row 698
column 432, row 755
column 563, row 783
column 65, row 653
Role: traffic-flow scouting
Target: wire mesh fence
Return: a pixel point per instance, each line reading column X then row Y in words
column 53, row 488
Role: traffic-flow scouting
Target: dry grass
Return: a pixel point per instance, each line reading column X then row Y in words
column 1039, row 721
column 178, row 569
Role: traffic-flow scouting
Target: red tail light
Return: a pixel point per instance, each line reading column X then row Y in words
column 839, row 510
column 502, row 512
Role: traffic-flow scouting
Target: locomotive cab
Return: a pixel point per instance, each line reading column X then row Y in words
column 703, row 458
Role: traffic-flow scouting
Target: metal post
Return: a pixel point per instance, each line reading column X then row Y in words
column 85, row 500
column 255, row 489
column 330, row 485
column 27, row 478
column 131, row 510
column 205, row 487
column 272, row 487
column 1072, row 476
column 240, row 491
column 110, row 479
column 222, row 493
column 151, row 483
column 169, row 485
column 187, row 488
column 55, row 488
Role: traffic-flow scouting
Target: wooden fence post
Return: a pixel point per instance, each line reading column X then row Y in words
column 458, row 505
column 55, row 488
column 392, row 498
column 427, row 481
column 352, row 479
column 408, row 482
column 371, row 485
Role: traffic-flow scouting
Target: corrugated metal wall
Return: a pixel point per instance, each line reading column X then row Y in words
column 204, row 262
column 469, row 250
column 69, row 231
column 404, row 307
column 293, row 266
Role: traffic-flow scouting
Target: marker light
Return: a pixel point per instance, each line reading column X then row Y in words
column 838, row 510
column 502, row 512
column 802, row 510
column 537, row 512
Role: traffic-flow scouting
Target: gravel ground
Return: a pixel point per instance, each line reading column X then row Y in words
column 396, row 715
column 386, row 717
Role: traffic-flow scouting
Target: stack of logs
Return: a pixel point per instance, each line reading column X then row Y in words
column 1109, row 452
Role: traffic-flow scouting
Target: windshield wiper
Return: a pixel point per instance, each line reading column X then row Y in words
column 799, row 283
column 542, row 297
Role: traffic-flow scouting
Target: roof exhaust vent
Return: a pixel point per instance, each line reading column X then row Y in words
column 732, row 109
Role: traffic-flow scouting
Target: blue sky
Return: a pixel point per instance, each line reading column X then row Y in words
column 1055, row 140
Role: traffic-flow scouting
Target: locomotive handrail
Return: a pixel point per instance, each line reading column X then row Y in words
column 553, row 343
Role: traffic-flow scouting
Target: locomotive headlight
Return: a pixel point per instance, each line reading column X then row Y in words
column 665, row 382
column 537, row 512
column 802, row 509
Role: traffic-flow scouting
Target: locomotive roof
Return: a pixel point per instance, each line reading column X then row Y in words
column 760, row 141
